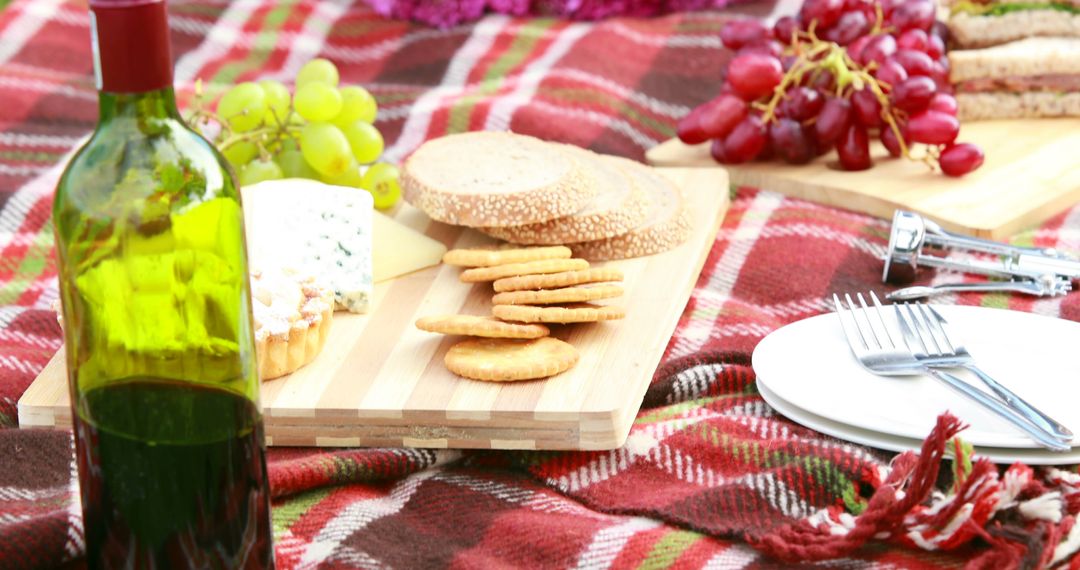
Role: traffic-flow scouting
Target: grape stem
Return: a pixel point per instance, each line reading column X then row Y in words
column 815, row 56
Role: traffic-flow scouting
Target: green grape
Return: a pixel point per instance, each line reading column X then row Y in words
column 351, row 177
column 243, row 107
column 258, row 171
column 317, row 102
column 318, row 70
column 381, row 179
column 356, row 105
column 240, row 153
column 365, row 141
column 293, row 165
column 326, row 149
column 277, row 101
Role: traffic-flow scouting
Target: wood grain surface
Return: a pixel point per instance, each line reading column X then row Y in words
column 380, row 381
column 1030, row 174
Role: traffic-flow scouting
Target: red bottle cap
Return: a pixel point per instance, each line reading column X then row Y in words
column 131, row 45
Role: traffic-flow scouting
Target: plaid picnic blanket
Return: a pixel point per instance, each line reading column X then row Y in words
column 710, row 476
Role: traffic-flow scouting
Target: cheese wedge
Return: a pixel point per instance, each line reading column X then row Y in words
column 315, row 228
column 399, row 249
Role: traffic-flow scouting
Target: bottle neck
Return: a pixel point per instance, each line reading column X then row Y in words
column 160, row 103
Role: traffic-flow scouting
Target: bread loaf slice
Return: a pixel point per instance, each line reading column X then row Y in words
column 1024, row 58
column 1026, row 105
column 618, row 207
column 974, row 31
column 667, row 225
column 482, row 179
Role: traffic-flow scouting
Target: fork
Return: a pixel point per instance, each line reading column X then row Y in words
column 936, row 350
column 874, row 348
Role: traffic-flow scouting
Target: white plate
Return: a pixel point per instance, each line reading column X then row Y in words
column 897, row 443
column 809, row 365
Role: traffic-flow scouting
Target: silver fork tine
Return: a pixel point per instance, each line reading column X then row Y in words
column 881, row 318
column 934, row 326
column 869, row 323
column 927, row 339
column 858, row 326
column 846, row 323
column 907, row 327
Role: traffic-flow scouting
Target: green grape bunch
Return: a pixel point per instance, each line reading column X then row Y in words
column 321, row 131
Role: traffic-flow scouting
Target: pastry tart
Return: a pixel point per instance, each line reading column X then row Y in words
column 292, row 317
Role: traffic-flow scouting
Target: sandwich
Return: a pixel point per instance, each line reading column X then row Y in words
column 1033, row 77
column 981, row 23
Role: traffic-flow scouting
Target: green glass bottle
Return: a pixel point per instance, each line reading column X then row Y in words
column 157, row 322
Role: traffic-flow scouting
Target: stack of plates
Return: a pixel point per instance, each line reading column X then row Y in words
column 806, row 372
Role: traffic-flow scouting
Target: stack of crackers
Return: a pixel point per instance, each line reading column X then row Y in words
column 534, row 287
column 527, row 191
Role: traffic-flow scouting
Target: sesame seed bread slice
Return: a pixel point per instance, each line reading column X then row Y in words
column 482, row 179
column 618, row 207
column 667, row 226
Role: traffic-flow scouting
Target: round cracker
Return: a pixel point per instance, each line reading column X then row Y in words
column 558, row 280
column 489, row 257
column 507, row 360
column 472, row 325
column 481, row 274
column 563, row 295
column 572, row 313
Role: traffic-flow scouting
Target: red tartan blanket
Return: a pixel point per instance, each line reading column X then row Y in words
column 710, row 476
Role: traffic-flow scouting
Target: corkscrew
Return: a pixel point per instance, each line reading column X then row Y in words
column 915, row 241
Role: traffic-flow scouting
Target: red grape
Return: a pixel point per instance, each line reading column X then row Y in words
column 913, row 14
column 854, row 149
column 879, row 48
column 891, row 73
column 848, row 27
column 789, row 140
column 944, row 103
column 933, row 127
column 754, row 75
column 935, row 48
column 824, row 12
column 738, row 33
column 716, row 149
column 785, row 28
column 914, row 62
column 961, row 158
column 823, row 81
column 803, row 103
column 940, row 74
column 888, row 138
column 746, row 140
column 915, row 39
column 768, row 47
column 913, row 94
column 855, row 48
column 867, row 108
column 833, row 120
column 713, row 119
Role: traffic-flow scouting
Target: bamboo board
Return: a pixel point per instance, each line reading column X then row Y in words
column 380, row 382
column 1030, row 174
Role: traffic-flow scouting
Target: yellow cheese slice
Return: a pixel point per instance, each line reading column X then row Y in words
column 399, row 249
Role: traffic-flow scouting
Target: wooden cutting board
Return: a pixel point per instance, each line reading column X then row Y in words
column 1031, row 173
column 381, row 382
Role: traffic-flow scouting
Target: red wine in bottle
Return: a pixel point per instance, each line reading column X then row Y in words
column 157, row 322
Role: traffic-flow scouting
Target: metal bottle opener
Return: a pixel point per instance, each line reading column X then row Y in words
column 1043, row 271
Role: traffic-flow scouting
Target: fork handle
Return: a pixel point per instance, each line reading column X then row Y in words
column 1000, row 409
column 1033, row 414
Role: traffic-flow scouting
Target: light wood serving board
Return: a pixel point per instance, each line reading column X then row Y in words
column 381, row 382
column 1032, row 172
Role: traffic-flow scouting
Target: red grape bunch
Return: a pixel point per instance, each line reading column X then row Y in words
column 835, row 75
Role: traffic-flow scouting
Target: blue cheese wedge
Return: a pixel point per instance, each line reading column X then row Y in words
column 319, row 229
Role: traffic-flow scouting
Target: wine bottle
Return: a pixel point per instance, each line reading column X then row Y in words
column 157, row 322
